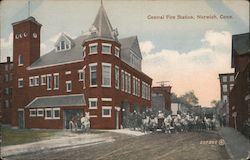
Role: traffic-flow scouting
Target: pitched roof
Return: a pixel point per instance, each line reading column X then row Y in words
column 102, row 26
column 75, row 53
column 58, row 101
column 130, row 43
column 56, row 58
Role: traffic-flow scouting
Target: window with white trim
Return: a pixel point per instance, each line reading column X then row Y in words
column 129, row 83
column 56, row 113
column 122, row 80
column 84, row 52
column 80, row 74
column 48, row 113
column 106, row 75
column 68, row 72
column 231, row 86
column 32, row 112
column 225, row 98
column 83, row 81
column 93, row 103
column 43, row 80
column 106, row 111
column 117, row 77
column 56, row 81
column 68, row 86
column 31, row 81
column 117, row 52
column 37, row 80
column 134, row 85
column 49, row 81
column 40, row 112
column 93, row 76
column 125, row 82
column 20, row 83
column 106, row 48
column 93, row 48
column 20, row 60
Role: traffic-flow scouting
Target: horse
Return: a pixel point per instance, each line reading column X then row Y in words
column 153, row 123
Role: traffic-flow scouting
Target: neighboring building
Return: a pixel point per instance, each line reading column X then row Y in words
column 239, row 98
column 96, row 73
column 6, row 79
column 161, row 98
column 226, row 85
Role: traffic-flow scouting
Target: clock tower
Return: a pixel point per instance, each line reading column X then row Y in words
column 26, row 50
column 26, row 42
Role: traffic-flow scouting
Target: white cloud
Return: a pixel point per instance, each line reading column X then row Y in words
column 146, row 47
column 6, row 47
column 195, row 70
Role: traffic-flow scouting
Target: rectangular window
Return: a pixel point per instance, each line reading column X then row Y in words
column 122, row 80
column 56, row 113
column 68, row 86
column 106, row 111
column 20, row 82
column 92, row 103
column 6, row 91
column 129, row 83
column 231, row 78
column 11, row 77
column 32, row 112
column 20, row 60
column 106, row 75
column 40, row 112
column 62, row 45
column 37, row 80
column 43, row 80
column 125, row 82
column 93, row 48
column 117, row 76
column 93, row 76
column 134, row 85
column 117, row 52
column 224, row 79
column 83, row 74
column 84, row 52
column 31, row 81
column 106, row 48
column 49, row 81
column 80, row 75
column 48, row 113
column 224, row 88
column 231, row 86
column 56, row 81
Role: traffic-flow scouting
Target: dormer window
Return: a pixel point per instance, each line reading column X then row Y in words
column 64, row 43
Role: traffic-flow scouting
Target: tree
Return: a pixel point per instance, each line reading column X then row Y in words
column 215, row 103
column 189, row 98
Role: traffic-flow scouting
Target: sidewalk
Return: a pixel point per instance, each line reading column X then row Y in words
column 60, row 142
column 237, row 145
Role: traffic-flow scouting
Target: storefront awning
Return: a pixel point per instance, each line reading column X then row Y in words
column 58, row 101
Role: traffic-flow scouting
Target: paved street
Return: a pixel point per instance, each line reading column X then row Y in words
column 189, row 146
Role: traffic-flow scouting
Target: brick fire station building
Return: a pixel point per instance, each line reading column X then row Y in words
column 96, row 73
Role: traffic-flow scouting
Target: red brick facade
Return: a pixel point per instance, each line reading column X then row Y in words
column 6, row 79
column 110, row 98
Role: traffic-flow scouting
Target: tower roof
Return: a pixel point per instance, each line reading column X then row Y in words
column 31, row 19
column 102, row 27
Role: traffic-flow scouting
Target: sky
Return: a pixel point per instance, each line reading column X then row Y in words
column 189, row 53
